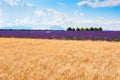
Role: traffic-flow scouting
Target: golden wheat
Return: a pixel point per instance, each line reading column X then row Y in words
column 42, row 59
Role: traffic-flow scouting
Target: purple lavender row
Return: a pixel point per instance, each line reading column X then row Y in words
column 82, row 35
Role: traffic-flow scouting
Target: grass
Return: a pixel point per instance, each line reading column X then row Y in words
column 43, row 59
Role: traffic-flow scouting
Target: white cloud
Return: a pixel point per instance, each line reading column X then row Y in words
column 61, row 4
column 25, row 21
column 98, row 3
column 0, row 12
column 51, row 13
column 42, row 12
column 81, row 14
column 1, row 17
column 30, row 4
column 10, row 24
column 14, row 3
column 100, row 18
column 50, row 17
column 77, row 13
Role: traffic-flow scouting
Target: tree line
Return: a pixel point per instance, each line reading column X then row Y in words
column 85, row 29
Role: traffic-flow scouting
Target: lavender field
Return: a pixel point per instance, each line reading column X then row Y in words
column 79, row 35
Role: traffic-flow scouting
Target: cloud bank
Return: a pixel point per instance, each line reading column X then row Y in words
column 14, row 3
column 98, row 3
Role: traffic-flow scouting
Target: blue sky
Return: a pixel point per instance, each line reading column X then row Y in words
column 42, row 14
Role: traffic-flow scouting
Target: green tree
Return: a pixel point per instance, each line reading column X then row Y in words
column 82, row 29
column 100, row 29
column 73, row 29
column 86, row 29
column 95, row 29
column 77, row 29
column 69, row 29
column 91, row 29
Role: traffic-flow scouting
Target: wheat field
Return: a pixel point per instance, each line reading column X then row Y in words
column 44, row 59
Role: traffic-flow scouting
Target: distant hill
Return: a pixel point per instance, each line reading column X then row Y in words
column 56, row 28
column 16, row 27
column 29, row 28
